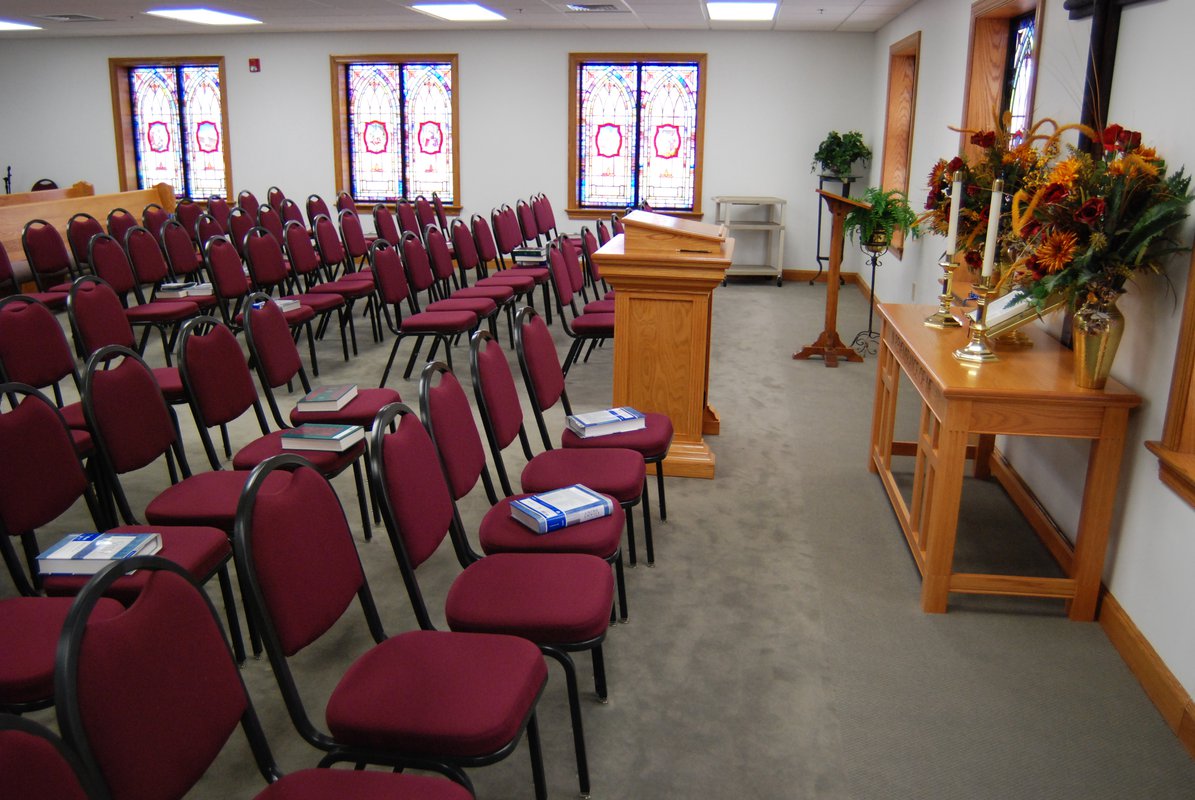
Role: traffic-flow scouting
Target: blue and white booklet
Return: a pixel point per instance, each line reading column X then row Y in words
column 88, row 553
column 602, row 423
column 559, row 508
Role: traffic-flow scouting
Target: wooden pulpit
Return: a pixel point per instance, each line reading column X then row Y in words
column 828, row 345
column 665, row 270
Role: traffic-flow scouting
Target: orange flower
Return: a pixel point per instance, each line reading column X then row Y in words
column 1057, row 251
column 1064, row 172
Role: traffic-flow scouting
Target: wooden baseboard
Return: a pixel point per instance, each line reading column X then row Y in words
column 813, row 275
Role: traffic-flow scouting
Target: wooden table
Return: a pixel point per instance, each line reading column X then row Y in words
column 1028, row 392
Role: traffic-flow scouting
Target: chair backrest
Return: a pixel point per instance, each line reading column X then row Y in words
column 125, row 410
column 416, row 263
column 275, row 197
column 301, row 253
column 119, row 222
column 438, row 253
column 46, row 253
column 464, row 247
column 589, row 246
column 269, row 218
column 225, row 269
column 538, row 360
column 545, row 219
column 240, row 222
column 271, row 348
column 570, row 249
column 616, row 223
column 214, row 372
column 36, row 765
column 603, row 232
column 483, row 237
column 145, row 256
column 153, row 217
column 527, row 225
column 424, row 213
column 207, row 227
column 507, row 234
column 408, row 220
column 387, row 268
column 188, row 695
column 353, row 235
column 384, row 224
column 345, row 201
column 495, row 391
column 33, row 347
column 96, row 316
column 219, row 208
column 446, row 414
column 327, row 243
column 263, row 255
column 79, row 230
column 562, row 280
column 42, row 184
column 109, row 260
column 8, row 281
column 180, row 251
column 248, row 201
column 316, row 207
column 438, row 205
column 291, row 212
column 187, row 212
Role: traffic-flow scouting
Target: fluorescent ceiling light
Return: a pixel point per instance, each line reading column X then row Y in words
column 5, row 25
column 459, row 12
column 203, row 16
column 741, row 12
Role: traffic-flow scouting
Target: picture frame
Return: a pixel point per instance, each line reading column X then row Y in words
column 1010, row 311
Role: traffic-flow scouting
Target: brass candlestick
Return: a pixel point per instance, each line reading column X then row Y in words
column 977, row 351
column 942, row 318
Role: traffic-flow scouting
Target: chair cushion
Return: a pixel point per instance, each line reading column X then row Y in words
column 53, row 300
column 652, row 440
column 481, row 306
column 498, row 533
column 599, row 307
column 319, row 302
column 208, row 498
column 540, row 274
column 520, row 283
column 438, row 693
column 594, row 325
column 549, row 598
column 496, row 292
column 360, row 410
column 29, row 629
column 82, row 441
column 293, row 316
column 613, row 471
column 327, row 462
column 73, row 414
column 170, row 380
column 345, row 287
column 162, row 311
column 321, row 784
column 197, row 549
column 439, row 322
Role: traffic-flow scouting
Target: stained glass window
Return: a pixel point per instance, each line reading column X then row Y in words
column 177, row 124
column 400, row 130
column 637, row 134
column 1020, row 73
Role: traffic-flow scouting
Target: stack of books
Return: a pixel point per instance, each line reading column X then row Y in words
column 560, row 508
column 177, row 291
column 331, row 438
column 88, row 553
column 284, row 304
column 603, row 423
column 529, row 255
column 328, row 398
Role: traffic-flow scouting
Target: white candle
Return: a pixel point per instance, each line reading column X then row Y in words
column 989, row 244
column 956, row 201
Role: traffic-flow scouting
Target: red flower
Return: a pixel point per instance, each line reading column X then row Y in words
column 1030, row 229
column 1111, row 134
column 984, row 138
column 1129, row 140
column 1090, row 212
column 1054, row 193
column 973, row 259
column 954, row 166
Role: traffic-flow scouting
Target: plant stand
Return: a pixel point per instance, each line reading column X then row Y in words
column 866, row 342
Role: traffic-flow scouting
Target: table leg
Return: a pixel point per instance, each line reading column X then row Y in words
column 944, row 489
column 982, row 468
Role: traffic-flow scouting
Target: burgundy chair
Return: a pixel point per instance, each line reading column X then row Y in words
column 603, row 232
column 616, row 223
column 291, row 212
column 153, row 217
column 149, row 263
column 307, row 272
column 316, row 207
column 206, row 228
column 560, row 601
column 356, row 243
column 345, row 202
column 424, row 213
column 468, row 260
column 422, row 278
column 34, row 762
column 385, row 226
column 49, row 262
column 333, row 256
column 187, row 699
column 589, row 246
column 219, row 208
column 581, row 274
column 269, row 218
column 527, row 223
column 240, row 222
column 43, row 478
column 97, row 320
column 248, row 201
column 8, row 284
column 275, row 197
column 220, row 390
column 589, row 327
column 544, row 381
column 42, row 184
column 111, row 263
column 79, row 230
column 545, row 218
column 507, row 235
column 119, row 222
column 229, row 282
column 394, row 292
column 186, row 264
column 425, row 699
column 187, row 213
column 440, row 257
column 441, row 216
column 408, row 220
column 34, row 351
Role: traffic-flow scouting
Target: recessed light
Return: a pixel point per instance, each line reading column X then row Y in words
column 741, row 12
column 203, row 16
column 5, row 25
column 459, row 12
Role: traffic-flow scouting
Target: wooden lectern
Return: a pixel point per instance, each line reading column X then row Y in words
column 828, row 345
column 665, row 270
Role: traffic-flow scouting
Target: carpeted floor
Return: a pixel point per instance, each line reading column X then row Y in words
column 777, row 650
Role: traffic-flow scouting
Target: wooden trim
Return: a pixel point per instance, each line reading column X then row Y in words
column 1168, row 695
column 900, row 111
column 340, row 119
column 122, row 113
column 1179, row 431
column 574, row 187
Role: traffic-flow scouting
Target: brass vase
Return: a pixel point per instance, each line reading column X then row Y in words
column 1097, row 330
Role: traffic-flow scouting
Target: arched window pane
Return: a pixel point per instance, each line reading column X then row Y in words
column 156, row 132
column 375, row 131
column 202, row 122
column 1021, row 74
column 428, row 92
column 668, row 142
column 607, row 134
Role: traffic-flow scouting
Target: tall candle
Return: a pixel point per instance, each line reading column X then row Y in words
column 956, row 202
column 989, row 244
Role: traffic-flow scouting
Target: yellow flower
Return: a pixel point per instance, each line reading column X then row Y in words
column 1057, row 251
column 1065, row 172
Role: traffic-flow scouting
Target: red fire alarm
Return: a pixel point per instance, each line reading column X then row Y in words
column 255, row 65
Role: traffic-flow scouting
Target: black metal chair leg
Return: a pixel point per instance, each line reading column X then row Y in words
column 390, row 362
column 647, row 541
column 599, row 674
column 362, row 499
column 227, row 443
column 660, row 491
column 230, row 611
column 631, row 535
column 574, row 711
column 537, row 759
column 620, row 583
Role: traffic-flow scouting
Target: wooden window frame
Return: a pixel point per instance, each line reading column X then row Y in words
column 986, row 62
column 1176, row 450
column 340, row 116
column 122, row 114
column 900, row 113
column 574, row 210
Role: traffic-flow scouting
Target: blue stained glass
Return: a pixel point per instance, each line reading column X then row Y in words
column 1021, row 68
column 178, row 128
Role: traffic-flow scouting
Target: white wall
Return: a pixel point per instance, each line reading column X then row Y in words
column 770, row 101
column 1151, row 556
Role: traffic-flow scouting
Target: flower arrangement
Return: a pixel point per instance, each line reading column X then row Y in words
column 838, row 151
column 1092, row 222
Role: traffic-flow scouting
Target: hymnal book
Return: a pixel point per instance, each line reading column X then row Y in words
column 529, row 255
column 284, row 304
column 334, row 438
column 559, row 508
column 328, row 398
column 173, row 291
column 88, row 553
column 611, row 420
column 201, row 290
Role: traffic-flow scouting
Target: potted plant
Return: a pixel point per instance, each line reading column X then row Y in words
column 838, row 152
column 888, row 212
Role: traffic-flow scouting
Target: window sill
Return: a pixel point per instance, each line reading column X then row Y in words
column 1176, row 470
column 604, row 213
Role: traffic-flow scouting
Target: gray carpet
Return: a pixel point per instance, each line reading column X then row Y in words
column 777, row 649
